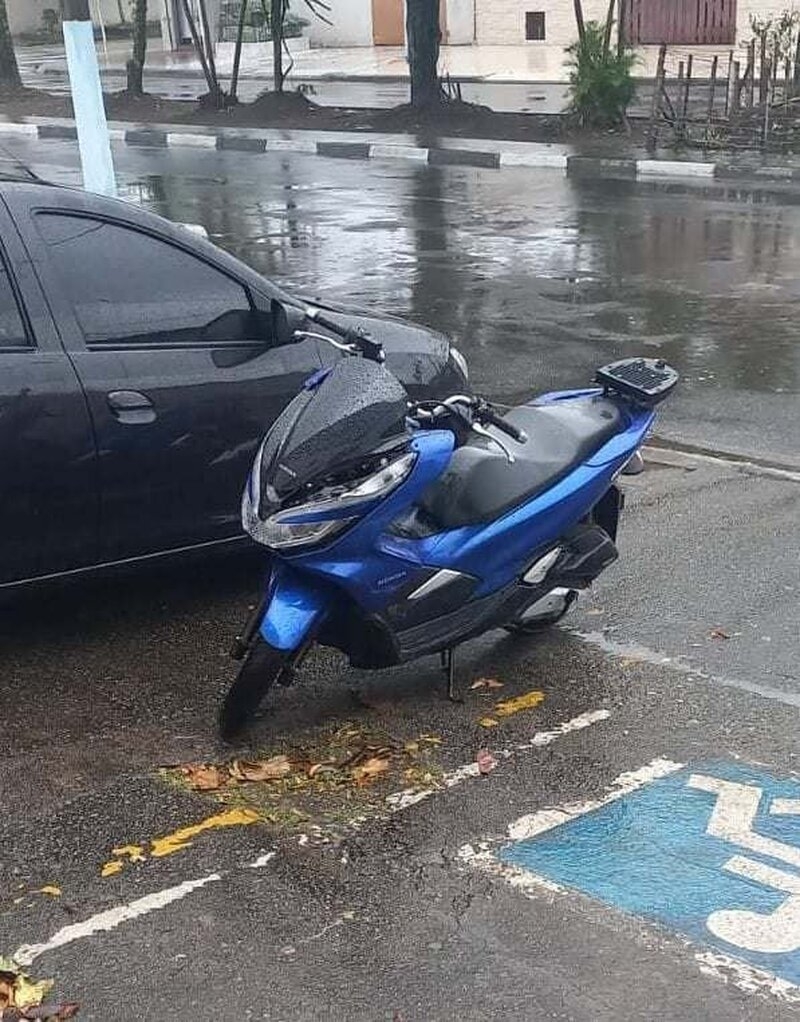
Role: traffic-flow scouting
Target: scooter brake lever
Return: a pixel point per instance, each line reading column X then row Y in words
column 478, row 428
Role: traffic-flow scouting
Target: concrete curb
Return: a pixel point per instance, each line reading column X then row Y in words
column 456, row 152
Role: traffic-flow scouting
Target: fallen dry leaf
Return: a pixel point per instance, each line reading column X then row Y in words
column 317, row 769
column 595, row 611
column 370, row 769
column 204, row 777
column 527, row 701
column 485, row 760
column 411, row 747
column 49, row 1013
column 430, row 739
column 487, row 683
column 718, row 633
column 51, row 890
column 260, row 770
column 18, row 990
column 487, row 722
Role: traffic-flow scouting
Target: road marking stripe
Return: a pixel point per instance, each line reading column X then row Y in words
column 545, row 819
column 746, row 977
column 635, row 651
column 719, row 966
column 111, row 918
column 400, row 800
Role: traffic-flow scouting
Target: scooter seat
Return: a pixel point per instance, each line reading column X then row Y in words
column 480, row 484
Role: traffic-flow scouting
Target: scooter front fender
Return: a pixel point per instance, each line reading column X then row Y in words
column 295, row 609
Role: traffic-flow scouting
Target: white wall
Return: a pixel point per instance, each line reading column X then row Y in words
column 26, row 15
column 352, row 24
column 502, row 22
column 460, row 22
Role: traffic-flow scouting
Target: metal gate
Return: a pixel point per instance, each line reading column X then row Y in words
column 685, row 22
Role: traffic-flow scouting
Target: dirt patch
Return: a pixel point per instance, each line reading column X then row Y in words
column 294, row 111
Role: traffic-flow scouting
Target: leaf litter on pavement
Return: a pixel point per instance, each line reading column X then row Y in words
column 338, row 775
column 510, row 707
column 24, row 998
column 334, row 776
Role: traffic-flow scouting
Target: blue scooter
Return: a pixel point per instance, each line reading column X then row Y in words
column 399, row 529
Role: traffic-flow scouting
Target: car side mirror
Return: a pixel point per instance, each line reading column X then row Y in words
column 286, row 321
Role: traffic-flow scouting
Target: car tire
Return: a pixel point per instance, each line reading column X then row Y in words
column 262, row 668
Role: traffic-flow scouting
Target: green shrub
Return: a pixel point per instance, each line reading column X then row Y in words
column 600, row 81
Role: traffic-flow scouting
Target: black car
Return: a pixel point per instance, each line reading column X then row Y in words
column 138, row 371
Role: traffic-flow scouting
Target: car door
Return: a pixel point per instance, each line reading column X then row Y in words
column 48, row 471
column 176, row 356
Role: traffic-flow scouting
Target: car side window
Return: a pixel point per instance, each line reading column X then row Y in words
column 12, row 328
column 130, row 289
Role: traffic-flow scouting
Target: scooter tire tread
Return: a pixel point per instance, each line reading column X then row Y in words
column 260, row 670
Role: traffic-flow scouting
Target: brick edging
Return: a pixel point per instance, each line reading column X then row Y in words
column 532, row 154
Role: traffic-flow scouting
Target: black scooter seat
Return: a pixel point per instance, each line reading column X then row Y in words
column 479, row 484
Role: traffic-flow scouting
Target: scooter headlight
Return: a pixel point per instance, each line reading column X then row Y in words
column 317, row 520
column 285, row 535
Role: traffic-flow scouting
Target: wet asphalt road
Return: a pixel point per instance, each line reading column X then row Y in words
column 363, row 913
column 539, row 279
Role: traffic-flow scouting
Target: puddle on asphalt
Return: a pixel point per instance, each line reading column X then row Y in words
column 536, row 273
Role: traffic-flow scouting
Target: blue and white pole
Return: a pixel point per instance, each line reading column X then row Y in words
column 87, row 98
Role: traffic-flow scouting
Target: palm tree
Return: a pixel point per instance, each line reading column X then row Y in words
column 9, row 69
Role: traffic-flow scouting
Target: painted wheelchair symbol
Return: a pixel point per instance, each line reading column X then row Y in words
column 732, row 820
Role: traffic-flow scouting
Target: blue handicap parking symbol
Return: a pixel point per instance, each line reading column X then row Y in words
column 712, row 850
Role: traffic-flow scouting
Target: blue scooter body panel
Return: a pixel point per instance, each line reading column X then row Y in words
column 296, row 608
column 371, row 565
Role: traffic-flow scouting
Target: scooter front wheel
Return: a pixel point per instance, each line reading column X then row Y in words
column 261, row 668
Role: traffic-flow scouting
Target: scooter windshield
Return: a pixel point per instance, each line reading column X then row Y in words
column 356, row 408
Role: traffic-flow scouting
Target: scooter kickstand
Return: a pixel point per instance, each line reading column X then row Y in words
column 448, row 661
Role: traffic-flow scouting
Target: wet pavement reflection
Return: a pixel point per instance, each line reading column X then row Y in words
column 536, row 277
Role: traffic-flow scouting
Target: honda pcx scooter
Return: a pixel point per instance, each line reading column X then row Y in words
column 399, row 529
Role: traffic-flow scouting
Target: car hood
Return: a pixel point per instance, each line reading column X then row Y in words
column 418, row 357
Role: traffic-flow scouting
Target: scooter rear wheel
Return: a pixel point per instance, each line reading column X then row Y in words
column 261, row 668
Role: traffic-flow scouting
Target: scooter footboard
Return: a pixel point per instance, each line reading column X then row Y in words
column 295, row 609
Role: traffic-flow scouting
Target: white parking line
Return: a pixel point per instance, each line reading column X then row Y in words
column 635, row 651
column 111, row 918
column 400, row 800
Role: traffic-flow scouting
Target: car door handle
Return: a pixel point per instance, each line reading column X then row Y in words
column 132, row 407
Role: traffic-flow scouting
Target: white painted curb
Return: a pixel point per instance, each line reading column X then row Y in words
column 674, row 168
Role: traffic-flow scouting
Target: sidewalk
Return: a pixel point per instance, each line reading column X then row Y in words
column 521, row 65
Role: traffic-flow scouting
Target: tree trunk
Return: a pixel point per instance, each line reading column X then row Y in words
column 237, row 53
column 579, row 19
column 9, row 69
column 423, row 36
column 609, row 25
column 136, row 63
column 121, row 8
column 276, row 14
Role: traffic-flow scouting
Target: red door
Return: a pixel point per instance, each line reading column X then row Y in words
column 684, row 22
